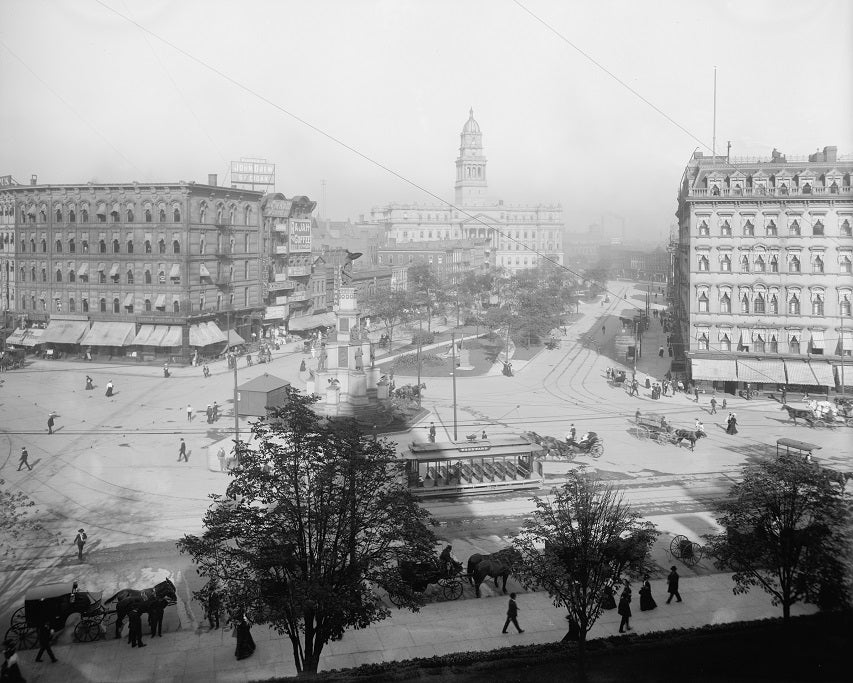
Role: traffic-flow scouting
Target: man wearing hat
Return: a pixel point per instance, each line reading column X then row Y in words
column 23, row 460
column 80, row 541
column 672, row 585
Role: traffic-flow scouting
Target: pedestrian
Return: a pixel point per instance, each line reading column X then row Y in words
column 700, row 427
column 432, row 432
column 672, row 585
column 45, row 634
column 23, row 460
column 80, row 540
column 624, row 609
column 572, row 432
column 670, row 352
column 50, row 424
column 696, row 394
column 603, row 329
column 784, row 395
column 608, row 601
column 134, row 636
column 109, row 391
column 723, row 406
column 182, row 452
column 302, row 366
column 512, row 614
column 11, row 670
column 213, row 605
column 156, row 610
column 313, row 351
column 483, row 435
column 713, row 406
column 574, row 633
column 732, row 424
column 189, row 413
column 647, row 602
column 245, row 642
column 660, row 352
column 209, row 412
column 215, row 411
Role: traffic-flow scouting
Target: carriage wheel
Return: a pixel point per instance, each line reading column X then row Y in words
column 23, row 636
column 849, row 422
column 87, row 631
column 695, row 555
column 19, row 618
column 597, row 449
column 819, row 424
column 452, row 588
column 676, row 545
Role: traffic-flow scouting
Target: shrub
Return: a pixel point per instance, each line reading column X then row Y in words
column 422, row 337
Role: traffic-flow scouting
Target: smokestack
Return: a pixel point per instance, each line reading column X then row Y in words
column 34, row 179
column 211, row 179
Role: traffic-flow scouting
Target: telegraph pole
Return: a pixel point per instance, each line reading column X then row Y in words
column 453, row 374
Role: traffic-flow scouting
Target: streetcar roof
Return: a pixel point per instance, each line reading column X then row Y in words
column 800, row 445
column 471, row 449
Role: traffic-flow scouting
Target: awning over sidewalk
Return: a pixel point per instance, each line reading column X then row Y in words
column 235, row 339
column 174, row 337
column 800, row 372
column 65, row 331
column 766, row 371
column 311, row 322
column 823, row 373
column 205, row 334
column 150, row 335
column 110, row 334
column 32, row 337
column 718, row 369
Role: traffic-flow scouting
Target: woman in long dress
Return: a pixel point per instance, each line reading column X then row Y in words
column 647, row 602
column 732, row 428
column 245, row 642
column 608, row 601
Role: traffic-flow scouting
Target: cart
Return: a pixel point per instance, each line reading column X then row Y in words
column 682, row 548
column 654, row 427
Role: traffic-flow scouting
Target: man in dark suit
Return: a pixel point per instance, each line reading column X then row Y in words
column 134, row 637
column 155, row 616
column 512, row 614
column 44, row 642
column 672, row 585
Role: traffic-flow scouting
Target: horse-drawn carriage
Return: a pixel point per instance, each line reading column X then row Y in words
column 617, row 378
column 12, row 359
column 419, row 575
column 590, row 444
column 821, row 414
column 52, row 604
column 654, row 426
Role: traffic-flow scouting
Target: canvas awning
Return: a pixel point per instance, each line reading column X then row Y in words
column 161, row 301
column 101, row 267
column 205, row 334
column 203, row 271
column 128, row 300
column 846, row 340
column 235, row 339
column 33, row 337
column 83, row 270
column 17, row 337
column 145, row 335
column 800, row 372
column 65, row 331
column 718, row 369
column 823, row 373
column 175, row 270
column 766, row 371
column 311, row 322
column 114, row 270
column 817, row 339
column 173, row 337
column 110, row 334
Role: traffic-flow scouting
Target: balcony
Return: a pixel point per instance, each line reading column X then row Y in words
column 298, row 271
column 770, row 192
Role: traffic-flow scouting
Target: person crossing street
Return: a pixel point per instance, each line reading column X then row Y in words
column 23, row 460
column 512, row 614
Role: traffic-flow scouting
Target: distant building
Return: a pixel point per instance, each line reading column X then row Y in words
column 513, row 234
column 762, row 283
column 449, row 260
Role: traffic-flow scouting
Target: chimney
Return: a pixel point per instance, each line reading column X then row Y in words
column 211, row 179
column 830, row 153
column 34, row 179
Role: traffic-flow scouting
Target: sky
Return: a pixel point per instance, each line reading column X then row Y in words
column 89, row 95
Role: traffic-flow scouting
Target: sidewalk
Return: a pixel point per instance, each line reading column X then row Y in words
column 470, row 624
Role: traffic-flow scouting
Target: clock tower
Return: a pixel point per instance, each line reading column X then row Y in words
column 471, row 186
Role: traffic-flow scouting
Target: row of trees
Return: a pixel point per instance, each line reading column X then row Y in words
column 316, row 516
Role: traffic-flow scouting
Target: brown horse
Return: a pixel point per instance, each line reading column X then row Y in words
column 497, row 565
column 803, row 413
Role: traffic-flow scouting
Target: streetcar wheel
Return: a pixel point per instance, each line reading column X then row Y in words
column 87, row 631
column 19, row 618
column 24, row 638
column 452, row 589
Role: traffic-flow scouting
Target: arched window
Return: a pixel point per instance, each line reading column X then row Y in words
column 793, row 344
column 794, row 265
column 744, row 303
column 44, row 246
column 147, row 246
column 58, row 275
column 162, row 215
column 32, row 245
column 795, row 227
column 833, row 189
column 817, row 305
column 59, row 215
column 744, row 263
column 703, row 303
column 771, row 229
column 846, row 229
column 116, row 306
column 247, row 215
column 147, row 215
column 23, row 244
column 44, row 274
column 148, row 304
column 759, row 264
column 794, row 305
column 749, row 229
column 817, row 264
column 129, row 276
column 130, row 246
column 202, row 214
column 84, row 215
column 72, row 305
column 161, row 246
column 42, row 216
column 725, row 304
column 176, row 247
column 176, row 215
column 114, row 216
column 72, row 216
column 703, row 342
column 72, row 276
column 72, row 247
column 103, row 305
column 725, row 343
column 129, row 215
column 102, row 247
column 726, row 229
column 147, row 276
column 726, row 264
column 176, row 306
column 759, row 304
column 758, row 344
column 57, row 246
column 33, row 273
column 231, row 212
column 807, row 188
column 116, row 247
column 774, row 264
column 845, row 305
column 817, row 228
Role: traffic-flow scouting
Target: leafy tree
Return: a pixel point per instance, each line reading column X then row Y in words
column 783, row 530
column 424, row 289
column 315, row 516
column 590, row 537
column 391, row 308
column 18, row 520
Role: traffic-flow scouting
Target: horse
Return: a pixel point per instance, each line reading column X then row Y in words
column 128, row 598
column 409, row 391
column 794, row 413
column 688, row 435
column 497, row 565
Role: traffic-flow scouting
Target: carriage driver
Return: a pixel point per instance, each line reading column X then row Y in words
column 447, row 561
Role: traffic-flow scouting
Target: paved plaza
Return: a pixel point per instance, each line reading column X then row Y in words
column 112, row 468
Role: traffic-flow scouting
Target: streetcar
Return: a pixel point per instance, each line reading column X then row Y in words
column 474, row 466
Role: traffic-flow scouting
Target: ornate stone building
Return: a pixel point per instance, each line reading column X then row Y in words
column 146, row 267
column 762, row 275
column 512, row 234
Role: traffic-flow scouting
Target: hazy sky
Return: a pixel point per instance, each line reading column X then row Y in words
column 87, row 95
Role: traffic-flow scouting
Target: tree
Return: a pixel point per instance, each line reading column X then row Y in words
column 424, row 289
column 390, row 307
column 18, row 520
column 783, row 530
column 590, row 537
column 314, row 517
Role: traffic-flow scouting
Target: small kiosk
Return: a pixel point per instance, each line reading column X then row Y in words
column 254, row 396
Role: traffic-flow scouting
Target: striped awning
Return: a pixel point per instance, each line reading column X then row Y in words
column 175, row 270
column 114, row 270
column 84, row 269
column 718, row 369
column 817, row 339
column 17, row 337
column 847, row 340
column 205, row 334
column 128, row 300
column 823, row 373
column 32, row 337
column 203, row 271
column 161, row 301
column 800, row 372
column 173, row 337
column 766, row 371
column 311, row 322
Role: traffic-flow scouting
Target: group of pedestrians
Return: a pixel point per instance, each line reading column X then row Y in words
column 647, row 601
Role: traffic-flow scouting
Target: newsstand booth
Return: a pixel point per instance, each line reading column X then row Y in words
column 254, row 396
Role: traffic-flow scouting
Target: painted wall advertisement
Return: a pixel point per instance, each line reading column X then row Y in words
column 300, row 236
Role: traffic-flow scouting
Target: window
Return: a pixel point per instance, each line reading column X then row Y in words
column 725, row 343
column 703, row 303
column 726, row 264
column 846, row 230
column 703, row 342
column 72, row 216
column 130, row 246
column 247, row 215
column 845, row 264
column 72, row 305
column 759, row 304
column 176, row 216
column 130, row 277
column 103, row 305
column 102, row 277
column 817, row 228
column 58, row 275
column 116, row 247
column 147, row 246
column 162, row 216
column 147, row 215
column 845, row 305
column 793, row 344
column 759, row 344
column 795, row 228
column 147, row 276
column 23, row 246
column 725, row 304
column 703, row 263
column 44, row 246
column 246, row 243
column 57, row 247
column 161, row 246
column 72, row 247
column 44, row 274
column 759, row 264
column 116, row 306
column 744, row 264
column 32, row 245
column 176, row 247
column 749, row 229
column 771, row 229
column 794, row 305
column 744, row 304
column 726, row 229
column 148, row 304
column 84, row 215
column 114, row 216
column 176, row 305
column 129, row 215
column 774, row 264
column 807, row 188
column 85, row 246
column 794, row 265
column 23, row 275
column 102, row 247
column 33, row 273
column 72, row 276
column 59, row 215
column 161, row 277
column 817, row 264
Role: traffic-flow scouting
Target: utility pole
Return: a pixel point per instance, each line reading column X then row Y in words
column 419, row 375
column 236, row 412
column 842, row 353
column 453, row 374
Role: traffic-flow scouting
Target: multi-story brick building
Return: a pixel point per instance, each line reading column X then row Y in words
column 448, row 260
column 516, row 236
column 762, row 275
column 151, row 268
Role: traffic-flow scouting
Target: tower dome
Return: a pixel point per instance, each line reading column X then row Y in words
column 471, row 126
